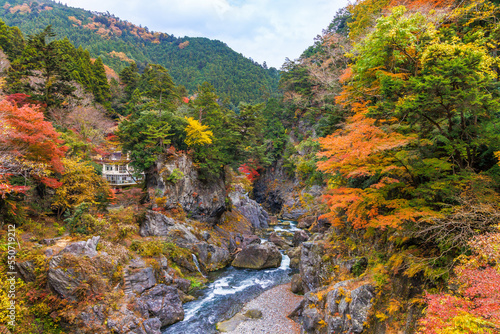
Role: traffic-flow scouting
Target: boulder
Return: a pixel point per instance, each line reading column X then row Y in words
column 306, row 222
column 249, row 239
column 279, row 241
column 64, row 280
column 249, row 208
column 182, row 284
column 157, row 224
column 296, row 284
column 160, row 302
column 257, row 256
column 313, row 268
column 343, row 310
column 212, row 257
column 299, row 237
column 294, row 255
column 82, row 248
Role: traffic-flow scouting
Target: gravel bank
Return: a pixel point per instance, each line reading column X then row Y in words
column 275, row 305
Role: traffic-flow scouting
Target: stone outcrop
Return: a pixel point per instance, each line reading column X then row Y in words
column 175, row 180
column 157, row 224
column 258, row 256
column 138, row 277
column 161, row 302
column 344, row 308
column 26, row 270
column 64, row 279
column 313, row 269
column 294, row 255
column 299, row 237
column 249, row 208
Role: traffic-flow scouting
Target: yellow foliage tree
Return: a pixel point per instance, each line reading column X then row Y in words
column 80, row 183
column 197, row 133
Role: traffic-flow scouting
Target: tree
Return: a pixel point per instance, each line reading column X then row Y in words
column 160, row 86
column 42, row 70
column 197, row 133
column 80, row 184
column 100, row 83
column 145, row 137
column 30, row 149
column 27, row 138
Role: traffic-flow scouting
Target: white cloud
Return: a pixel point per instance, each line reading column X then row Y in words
column 265, row 30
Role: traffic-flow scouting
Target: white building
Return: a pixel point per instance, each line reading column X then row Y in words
column 116, row 170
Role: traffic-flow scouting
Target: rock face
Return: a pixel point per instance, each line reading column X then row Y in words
column 281, row 195
column 313, row 269
column 138, row 276
column 343, row 309
column 161, row 302
column 257, row 256
column 249, row 208
column 65, row 280
column 26, row 270
column 175, row 180
column 157, row 224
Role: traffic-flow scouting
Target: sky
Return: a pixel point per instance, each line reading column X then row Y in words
column 264, row 30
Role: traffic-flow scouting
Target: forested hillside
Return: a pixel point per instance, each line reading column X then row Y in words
column 190, row 60
column 382, row 153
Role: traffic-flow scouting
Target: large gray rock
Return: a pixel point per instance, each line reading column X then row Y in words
column 294, row 255
column 279, row 241
column 299, row 237
column 160, row 302
column 249, row 208
column 212, row 257
column 257, row 256
column 313, row 269
column 176, row 179
column 343, row 310
column 83, row 248
column 63, row 279
column 157, row 224
column 141, row 279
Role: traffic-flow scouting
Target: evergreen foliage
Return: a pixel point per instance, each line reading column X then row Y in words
column 190, row 60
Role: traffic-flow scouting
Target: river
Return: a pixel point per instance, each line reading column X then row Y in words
column 230, row 289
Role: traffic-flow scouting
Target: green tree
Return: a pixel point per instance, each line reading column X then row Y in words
column 42, row 59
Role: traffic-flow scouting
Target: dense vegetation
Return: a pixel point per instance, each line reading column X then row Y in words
column 409, row 94
column 190, row 61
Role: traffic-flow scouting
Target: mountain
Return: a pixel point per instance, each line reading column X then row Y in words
column 190, row 60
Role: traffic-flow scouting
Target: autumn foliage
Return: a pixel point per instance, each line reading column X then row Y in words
column 29, row 145
column 475, row 306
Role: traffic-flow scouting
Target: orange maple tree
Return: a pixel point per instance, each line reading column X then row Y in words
column 29, row 146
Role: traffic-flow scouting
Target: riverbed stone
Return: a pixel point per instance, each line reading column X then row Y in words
column 258, row 256
column 279, row 241
column 296, row 284
column 212, row 257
